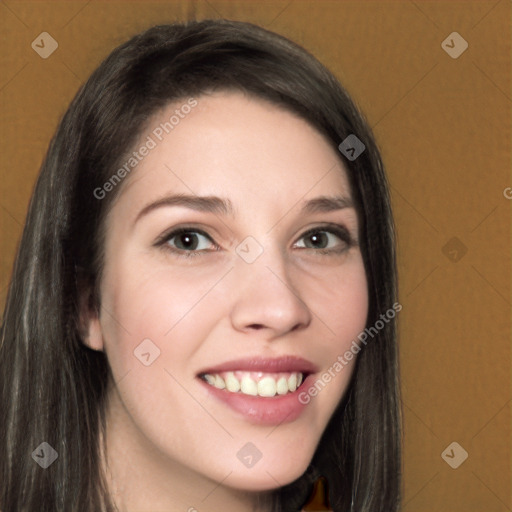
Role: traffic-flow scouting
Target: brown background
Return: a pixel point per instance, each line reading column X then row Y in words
column 444, row 128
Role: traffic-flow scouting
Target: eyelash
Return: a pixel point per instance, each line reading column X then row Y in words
column 340, row 231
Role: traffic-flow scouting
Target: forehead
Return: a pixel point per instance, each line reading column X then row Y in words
column 235, row 145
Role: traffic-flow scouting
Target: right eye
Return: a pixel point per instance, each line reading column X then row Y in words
column 187, row 242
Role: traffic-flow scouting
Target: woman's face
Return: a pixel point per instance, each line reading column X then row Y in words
column 264, row 284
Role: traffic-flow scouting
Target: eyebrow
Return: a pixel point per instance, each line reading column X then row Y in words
column 218, row 205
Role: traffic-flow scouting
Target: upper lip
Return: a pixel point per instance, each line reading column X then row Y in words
column 264, row 364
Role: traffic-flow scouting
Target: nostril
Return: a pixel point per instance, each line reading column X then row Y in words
column 256, row 326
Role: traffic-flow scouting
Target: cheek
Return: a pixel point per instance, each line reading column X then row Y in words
column 157, row 321
column 151, row 303
column 351, row 311
column 341, row 304
column 340, row 301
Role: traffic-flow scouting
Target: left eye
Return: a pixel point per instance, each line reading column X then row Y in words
column 323, row 239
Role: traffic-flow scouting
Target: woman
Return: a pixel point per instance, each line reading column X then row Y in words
column 202, row 309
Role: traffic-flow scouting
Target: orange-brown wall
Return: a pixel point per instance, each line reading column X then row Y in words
column 443, row 124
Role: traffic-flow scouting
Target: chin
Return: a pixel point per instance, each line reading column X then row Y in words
column 265, row 478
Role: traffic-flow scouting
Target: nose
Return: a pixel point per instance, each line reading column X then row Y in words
column 265, row 298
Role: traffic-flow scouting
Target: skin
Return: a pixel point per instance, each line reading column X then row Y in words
column 170, row 445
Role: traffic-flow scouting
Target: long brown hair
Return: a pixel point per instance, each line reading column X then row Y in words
column 53, row 387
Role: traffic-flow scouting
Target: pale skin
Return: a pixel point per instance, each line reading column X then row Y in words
column 171, row 446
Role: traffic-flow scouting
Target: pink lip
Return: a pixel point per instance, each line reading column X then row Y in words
column 263, row 410
column 264, row 364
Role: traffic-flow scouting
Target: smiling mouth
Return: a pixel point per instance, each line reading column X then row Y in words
column 255, row 383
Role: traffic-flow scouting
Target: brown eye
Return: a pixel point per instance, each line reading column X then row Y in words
column 327, row 239
column 318, row 240
column 187, row 242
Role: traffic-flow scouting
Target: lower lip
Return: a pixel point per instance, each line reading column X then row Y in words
column 263, row 410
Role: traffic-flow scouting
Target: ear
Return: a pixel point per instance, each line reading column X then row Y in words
column 89, row 318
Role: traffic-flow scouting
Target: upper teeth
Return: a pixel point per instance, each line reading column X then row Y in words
column 255, row 383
